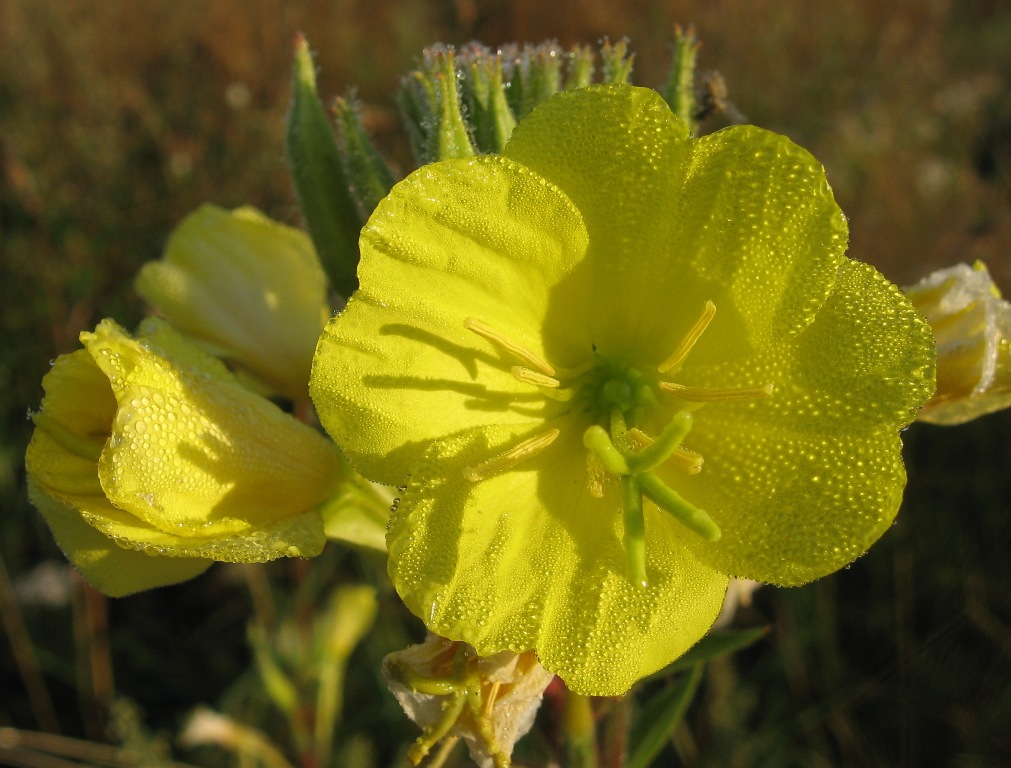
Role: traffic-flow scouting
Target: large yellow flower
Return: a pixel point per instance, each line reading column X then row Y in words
column 612, row 368
column 149, row 461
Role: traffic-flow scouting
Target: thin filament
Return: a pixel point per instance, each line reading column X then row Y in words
column 509, row 459
column 518, row 351
column 694, row 333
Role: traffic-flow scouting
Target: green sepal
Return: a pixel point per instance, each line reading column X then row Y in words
column 484, row 98
column 617, row 66
column 679, row 91
column 451, row 139
column 579, row 73
column 414, row 97
column 537, row 76
column 369, row 177
column 320, row 184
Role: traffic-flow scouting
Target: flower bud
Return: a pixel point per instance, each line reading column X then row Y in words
column 972, row 328
column 149, row 443
column 246, row 288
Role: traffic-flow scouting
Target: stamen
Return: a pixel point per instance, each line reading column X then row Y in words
column 694, row 333
column 693, row 518
column 682, row 459
column 509, row 459
column 528, row 376
column 516, row 350
column 489, row 700
column 635, row 530
column 713, row 394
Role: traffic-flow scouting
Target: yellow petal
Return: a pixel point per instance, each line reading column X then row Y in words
column 250, row 289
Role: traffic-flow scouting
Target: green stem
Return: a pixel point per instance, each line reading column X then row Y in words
column 580, row 732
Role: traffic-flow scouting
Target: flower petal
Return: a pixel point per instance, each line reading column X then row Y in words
column 742, row 217
column 106, row 565
column 481, row 238
column 804, row 481
column 250, row 288
column 528, row 559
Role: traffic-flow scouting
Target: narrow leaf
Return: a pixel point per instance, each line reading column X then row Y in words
column 314, row 161
column 660, row 718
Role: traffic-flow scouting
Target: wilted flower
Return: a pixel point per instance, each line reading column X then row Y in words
column 972, row 327
column 149, row 446
column 249, row 290
column 447, row 689
column 546, row 345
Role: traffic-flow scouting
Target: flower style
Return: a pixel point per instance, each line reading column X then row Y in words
column 972, row 327
column 249, row 290
column 149, row 446
column 546, row 346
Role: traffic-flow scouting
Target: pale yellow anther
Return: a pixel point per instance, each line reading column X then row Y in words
column 489, row 700
column 682, row 459
column 715, row 395
column 518, row 351
column 509, row 459
column 694, row 334
column 528, row 376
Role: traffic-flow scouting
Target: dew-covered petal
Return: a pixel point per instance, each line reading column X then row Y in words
column 71, row 429
column 528, row 559
column 193, row 453
column 106, row 565
column 252, row 290
column 805, row 480
column 297, row 535
column 743, row 217
column 481, row 238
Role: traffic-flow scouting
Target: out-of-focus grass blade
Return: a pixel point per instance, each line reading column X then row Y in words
column 660, row 718
column 709, row 647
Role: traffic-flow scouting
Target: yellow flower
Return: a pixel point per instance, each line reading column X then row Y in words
column 249, row 290
column 972, row 327
column 613, row 368
column 149, row 446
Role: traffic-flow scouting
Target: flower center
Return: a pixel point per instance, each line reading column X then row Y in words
column 617, row 400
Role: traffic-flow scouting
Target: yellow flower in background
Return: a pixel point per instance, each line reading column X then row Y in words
column 250, row 290
column 612, row 368
column 149, row 446
column 972, row 327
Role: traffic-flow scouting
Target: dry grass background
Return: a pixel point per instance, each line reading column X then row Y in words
column 117, row 118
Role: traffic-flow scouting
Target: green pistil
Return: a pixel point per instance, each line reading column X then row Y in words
column 652, row 456
column 688, row 514
column 635, row 529
column 597, row 440
column 625, row 397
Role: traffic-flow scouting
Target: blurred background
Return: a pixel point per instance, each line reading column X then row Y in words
column 118, row 118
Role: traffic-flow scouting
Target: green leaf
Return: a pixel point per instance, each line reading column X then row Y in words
column 314, row 161
column 660, row 718
column 712, row 646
